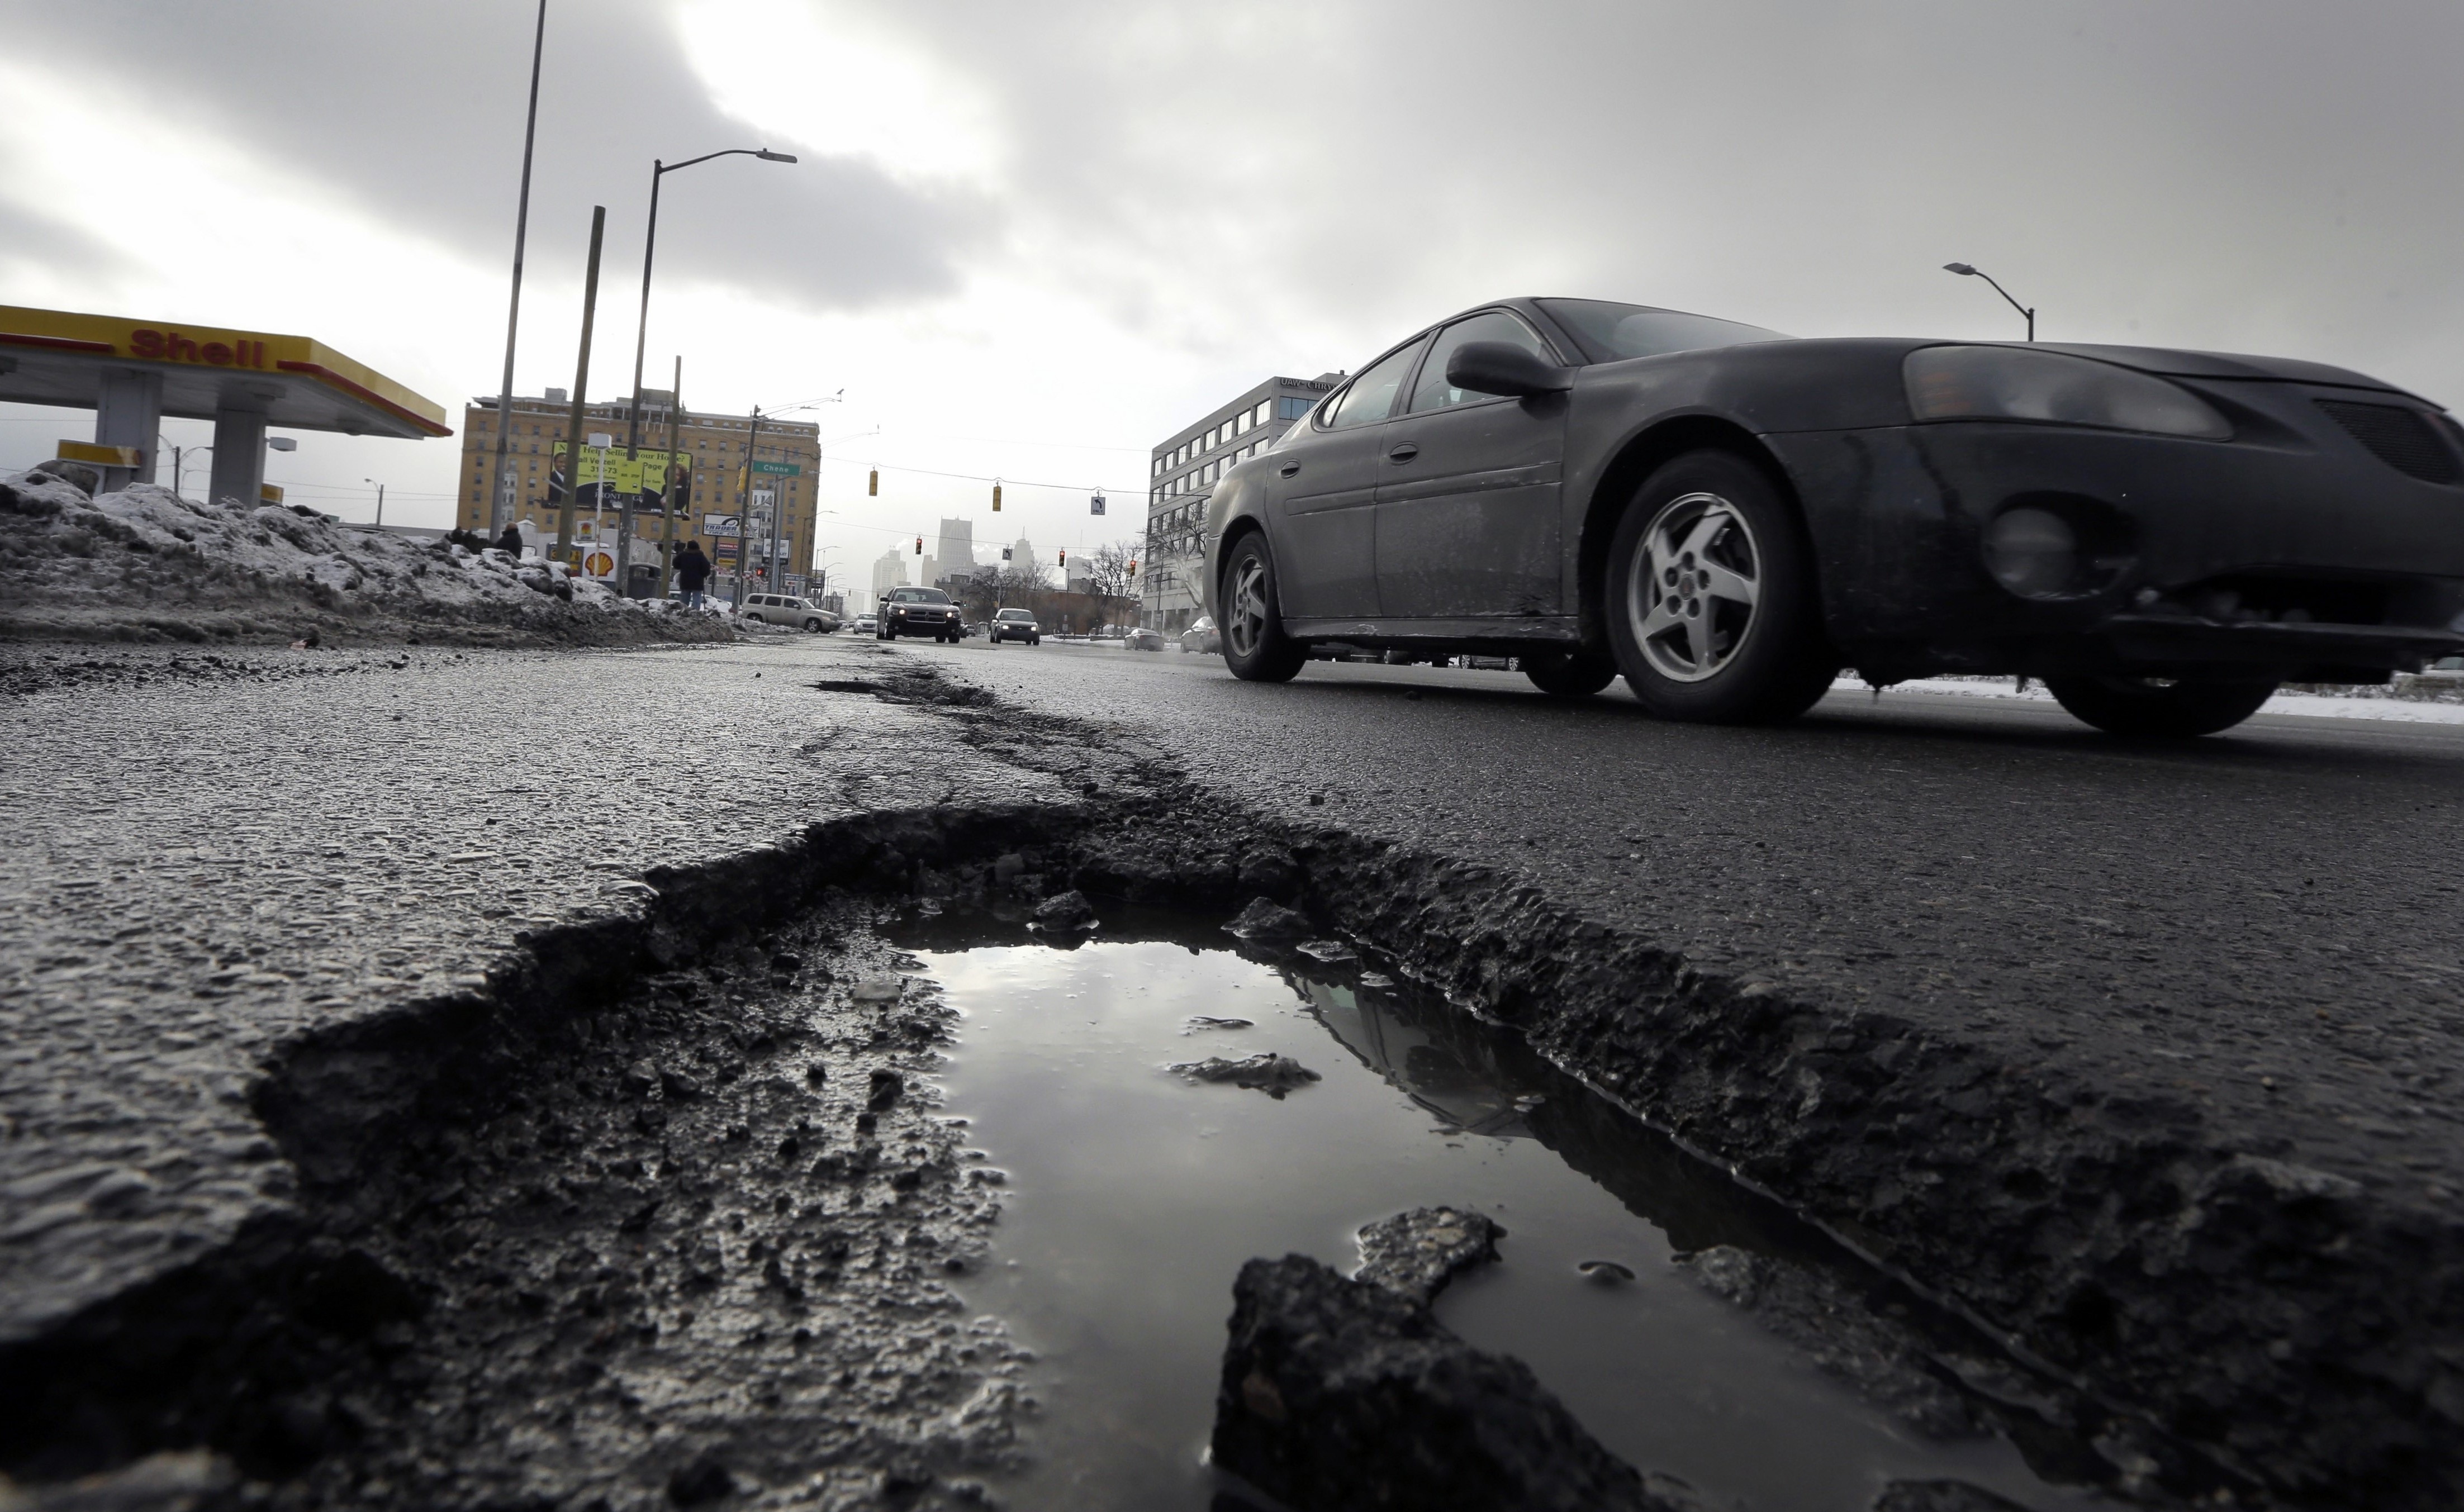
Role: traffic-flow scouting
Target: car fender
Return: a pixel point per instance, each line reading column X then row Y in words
column 1626, row 419
column 1236, row 505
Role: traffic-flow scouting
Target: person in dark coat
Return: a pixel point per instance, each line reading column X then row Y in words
column 511, row 542
column 692, row 570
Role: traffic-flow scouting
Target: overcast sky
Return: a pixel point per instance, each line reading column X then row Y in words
column 1032, row 239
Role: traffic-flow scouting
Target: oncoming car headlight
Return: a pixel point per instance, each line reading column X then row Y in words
column 2004, row 382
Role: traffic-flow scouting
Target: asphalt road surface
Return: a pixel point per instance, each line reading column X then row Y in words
column 2268, row 922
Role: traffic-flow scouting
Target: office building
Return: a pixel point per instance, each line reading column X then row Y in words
column 889, row 571
column 957, row 557
column 1181, row 477
column 787, row 457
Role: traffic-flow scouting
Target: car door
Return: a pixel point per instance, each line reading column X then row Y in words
column 1467, row 520
column 1323, row 488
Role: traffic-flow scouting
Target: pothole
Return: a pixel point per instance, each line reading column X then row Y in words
column 1693, row 1328
column 700, row 1208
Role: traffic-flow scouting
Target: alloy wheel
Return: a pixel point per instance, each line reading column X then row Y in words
column 1696, row 586
column 1246, row 621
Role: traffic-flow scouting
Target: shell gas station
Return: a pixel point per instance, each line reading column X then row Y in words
column 133, row 374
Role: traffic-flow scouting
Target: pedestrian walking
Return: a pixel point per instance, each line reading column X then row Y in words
column 692, row 570
column 511, row 542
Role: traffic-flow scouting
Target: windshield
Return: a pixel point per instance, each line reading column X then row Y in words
column 919, row 596
column 1017, row 614
column 1611, row 331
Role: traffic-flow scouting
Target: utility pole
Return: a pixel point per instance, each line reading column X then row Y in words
column 675, row 481
column 580, row 380
column 744, row 510
column 502, row 489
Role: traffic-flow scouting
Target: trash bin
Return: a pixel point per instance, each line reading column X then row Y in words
column 640, row 580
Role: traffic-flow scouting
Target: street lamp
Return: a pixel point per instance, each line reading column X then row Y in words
column 642, row 331
column 380, row 487
column 1964, row 271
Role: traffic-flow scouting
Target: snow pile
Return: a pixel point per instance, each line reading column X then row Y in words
column 146, row 564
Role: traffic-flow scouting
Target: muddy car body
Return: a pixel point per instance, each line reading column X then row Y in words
column 2150, row 526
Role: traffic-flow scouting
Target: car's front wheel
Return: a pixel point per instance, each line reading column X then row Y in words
column 1569, row 674
column 1711, row 603
column 2160, row 707
column 1255, row 646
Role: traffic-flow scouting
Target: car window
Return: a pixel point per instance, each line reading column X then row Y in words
column 1371, row 397
column 1613, row 332
column 1433, row 392
column 919, row 596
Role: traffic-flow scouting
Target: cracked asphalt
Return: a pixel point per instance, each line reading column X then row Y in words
column 2268, row 925
column 211, row 854
column 216, row 854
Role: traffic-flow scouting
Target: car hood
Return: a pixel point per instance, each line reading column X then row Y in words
column 2223, row 364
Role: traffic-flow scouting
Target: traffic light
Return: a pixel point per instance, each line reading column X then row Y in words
column 996, row 495
column 1134, row 567
column 873, row 485
column 919, row 545
column 1065, row 558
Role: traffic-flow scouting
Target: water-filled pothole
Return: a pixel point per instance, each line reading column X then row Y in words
column 1135, row 1194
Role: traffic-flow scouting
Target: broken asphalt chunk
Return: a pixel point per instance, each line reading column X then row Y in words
column 1338, row 1394
column 1265, row 1072
column 1414, row 1253
column 1066, row 912
column 1265, row 919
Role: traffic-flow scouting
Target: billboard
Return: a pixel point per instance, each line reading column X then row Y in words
column 645, row 474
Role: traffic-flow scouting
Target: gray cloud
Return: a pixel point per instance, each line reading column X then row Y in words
column 1279, row 188
column 415, row 112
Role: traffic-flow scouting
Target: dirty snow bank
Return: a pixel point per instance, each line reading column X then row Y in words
column 147, row 564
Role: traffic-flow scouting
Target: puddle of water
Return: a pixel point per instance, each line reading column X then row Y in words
column 1137, row 1197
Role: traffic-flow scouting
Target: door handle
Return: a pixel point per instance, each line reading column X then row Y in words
column 1287, row 470
column 1403, row 453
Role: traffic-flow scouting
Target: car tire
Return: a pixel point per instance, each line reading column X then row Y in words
column 888, row 635
column 1713, row 606
column 2159, row 707
column 813, row 626
column 1256, row 650
column 1569, row 674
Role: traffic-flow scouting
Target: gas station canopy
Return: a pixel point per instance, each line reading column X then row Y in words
column 132, row 373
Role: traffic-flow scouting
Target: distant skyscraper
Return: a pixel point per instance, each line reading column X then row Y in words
column 1022, row 556
column 956, row 557
column 888, row 573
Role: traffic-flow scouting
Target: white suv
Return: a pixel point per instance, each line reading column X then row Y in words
column 1016, row 625
column 777, row 608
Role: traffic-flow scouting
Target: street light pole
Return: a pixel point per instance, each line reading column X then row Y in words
column 1964, row 271
column 501, row 486
column 380, row 487
column 659, row 169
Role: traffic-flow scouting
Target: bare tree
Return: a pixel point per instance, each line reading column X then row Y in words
column 1112, row 579
column 1000, row 585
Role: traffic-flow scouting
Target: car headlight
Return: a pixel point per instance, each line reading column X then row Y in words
column 2006, row 383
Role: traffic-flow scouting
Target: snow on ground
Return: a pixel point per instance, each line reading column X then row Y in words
column 145, row 563
column 2415, row 700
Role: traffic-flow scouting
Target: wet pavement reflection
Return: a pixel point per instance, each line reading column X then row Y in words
column 1135, row 1193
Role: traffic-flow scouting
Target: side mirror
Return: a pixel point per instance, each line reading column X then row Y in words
column 1501, row 367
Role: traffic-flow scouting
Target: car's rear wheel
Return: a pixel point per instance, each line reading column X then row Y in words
column 2161, row 707
column 1569, row 674
column 1255, row 646
column 1711, row 605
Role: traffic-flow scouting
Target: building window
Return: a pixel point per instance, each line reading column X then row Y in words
column 1291, row 407
column 1246, row 422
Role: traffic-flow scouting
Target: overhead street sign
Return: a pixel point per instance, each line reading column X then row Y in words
column 784, row 469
